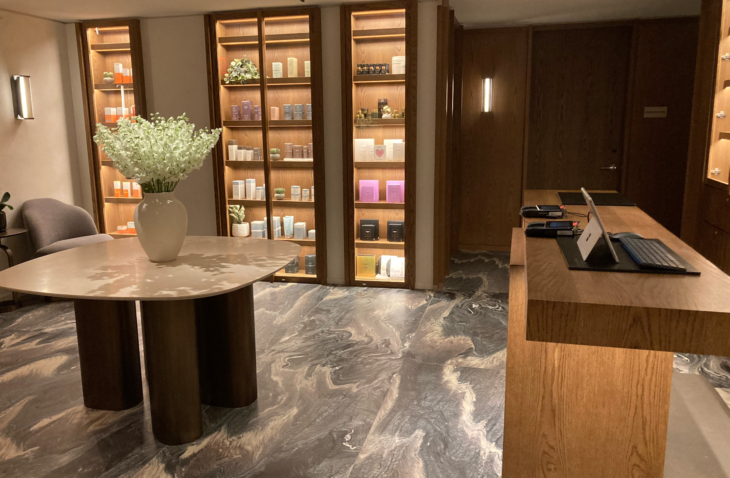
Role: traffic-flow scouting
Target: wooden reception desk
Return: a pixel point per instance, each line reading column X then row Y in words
column 590, row 354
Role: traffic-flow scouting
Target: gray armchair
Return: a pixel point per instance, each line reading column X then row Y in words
column 55, row 226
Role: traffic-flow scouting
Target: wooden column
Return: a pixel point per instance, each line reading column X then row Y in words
column 227, row 349
column 171, row 360
column 106, row 331
column 576, row 411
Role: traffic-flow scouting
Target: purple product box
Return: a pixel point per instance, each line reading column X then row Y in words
column 395, row 191
column 369, row 190
column 246, row 108
column 257, row 113
column 235, row 113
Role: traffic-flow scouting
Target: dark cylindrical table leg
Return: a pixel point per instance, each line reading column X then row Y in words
column 227, row 349
column 171, row 360
column 108, row 353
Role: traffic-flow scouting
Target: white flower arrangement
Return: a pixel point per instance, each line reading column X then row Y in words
column 157, row 153
column 240, row 71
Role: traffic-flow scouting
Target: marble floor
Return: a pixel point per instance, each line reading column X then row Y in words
column 352, row 382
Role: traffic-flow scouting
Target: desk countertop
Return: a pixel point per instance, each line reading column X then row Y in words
column 647, row 311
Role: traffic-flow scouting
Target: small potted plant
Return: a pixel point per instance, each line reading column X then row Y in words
column 275, row 154
column 238, row 228
column 4, row 204
column 108, row 77
column 279, row 193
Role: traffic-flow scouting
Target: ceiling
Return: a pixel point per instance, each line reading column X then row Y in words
column 476, row 13
column 472, row 13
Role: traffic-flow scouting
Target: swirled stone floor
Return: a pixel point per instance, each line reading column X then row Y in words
column 352, row 382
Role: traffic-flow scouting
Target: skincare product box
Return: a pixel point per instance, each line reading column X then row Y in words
column 257, row 113
column 276, row 226
column 396, row 231
column 288, row 226
column 307, row 68
column 277, row 232
column 136, row 190
column 288, row 112
column 292, row 267
column 117, row 189
column 366, row 265
column 380, row 152
column 131, row 229
column 296, row 193
column 311, row 192
column 300, row 230
column 311, row 234
column 118, row 73
column 274, row 112
column 278, row 71
column 258, row 234
column 232, row 149
column 246, row 108
column 369, row 190
column 361, row 148
column 382, row 265
column 239, row 189
column 395, row 191
column 370, row 153
column 369, row 230
column 399, row 65
column 126, row 76
column 399, row 152
column 250, row 188
column 310, row 150
column 235, row 113
column 259, row 193
column 257, row 154
column 388, row 143
column 396, row 268
column 109, row 114
column 126, row 190
column 120, row 112
column 258, row 226
column 288, row 150
column 297, row 151
column 305, row 194
column 309, row 111
column 310, row 264
column 305, row 151
column 292, row 67
column 240, row 153
column 298, row 112
column 121, row 229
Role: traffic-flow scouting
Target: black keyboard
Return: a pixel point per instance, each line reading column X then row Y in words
column 650, row 254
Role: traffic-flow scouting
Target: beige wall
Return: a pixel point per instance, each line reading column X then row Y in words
column 176, row 82
column 38, row 158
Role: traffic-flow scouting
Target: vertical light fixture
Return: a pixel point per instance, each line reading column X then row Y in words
column 487, row 95
column 22, row 98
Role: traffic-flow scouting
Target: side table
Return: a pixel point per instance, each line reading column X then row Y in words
column 10, row 232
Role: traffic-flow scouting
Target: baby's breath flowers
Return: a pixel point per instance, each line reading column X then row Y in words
column 157, row 153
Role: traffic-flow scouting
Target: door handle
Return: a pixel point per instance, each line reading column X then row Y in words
column 610, row 168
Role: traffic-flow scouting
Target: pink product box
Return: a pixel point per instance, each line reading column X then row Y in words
column 274, row 113
column 257, row 113
column 395, row 191
column 246, row 109
column 235, row 113
column 369, row 190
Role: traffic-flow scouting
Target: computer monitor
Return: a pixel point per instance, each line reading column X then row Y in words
column 594, row 211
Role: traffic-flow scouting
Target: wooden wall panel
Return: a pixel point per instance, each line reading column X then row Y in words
column 665, row 55
column 577, row 105
column 488, row 186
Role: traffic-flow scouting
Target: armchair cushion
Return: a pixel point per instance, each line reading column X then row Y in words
column 59, row 246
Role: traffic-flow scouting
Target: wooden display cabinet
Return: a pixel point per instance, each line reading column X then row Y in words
column 718, row 161
column 267, row 37
column 374, row 34
column 104, row 44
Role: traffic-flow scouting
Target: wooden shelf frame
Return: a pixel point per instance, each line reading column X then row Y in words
column 355, row 39
column 105, row 208
column 271, row 131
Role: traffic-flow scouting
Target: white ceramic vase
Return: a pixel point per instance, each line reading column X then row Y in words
column 161, row 222
column 240, row 230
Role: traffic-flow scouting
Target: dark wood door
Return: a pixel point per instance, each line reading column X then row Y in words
column 577, row 104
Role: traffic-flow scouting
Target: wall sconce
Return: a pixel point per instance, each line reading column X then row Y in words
column 487, row 95
column 22, row 98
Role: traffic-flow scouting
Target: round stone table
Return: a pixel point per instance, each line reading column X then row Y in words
column 197, row 321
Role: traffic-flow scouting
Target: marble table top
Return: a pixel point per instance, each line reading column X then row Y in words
column 120, row 270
